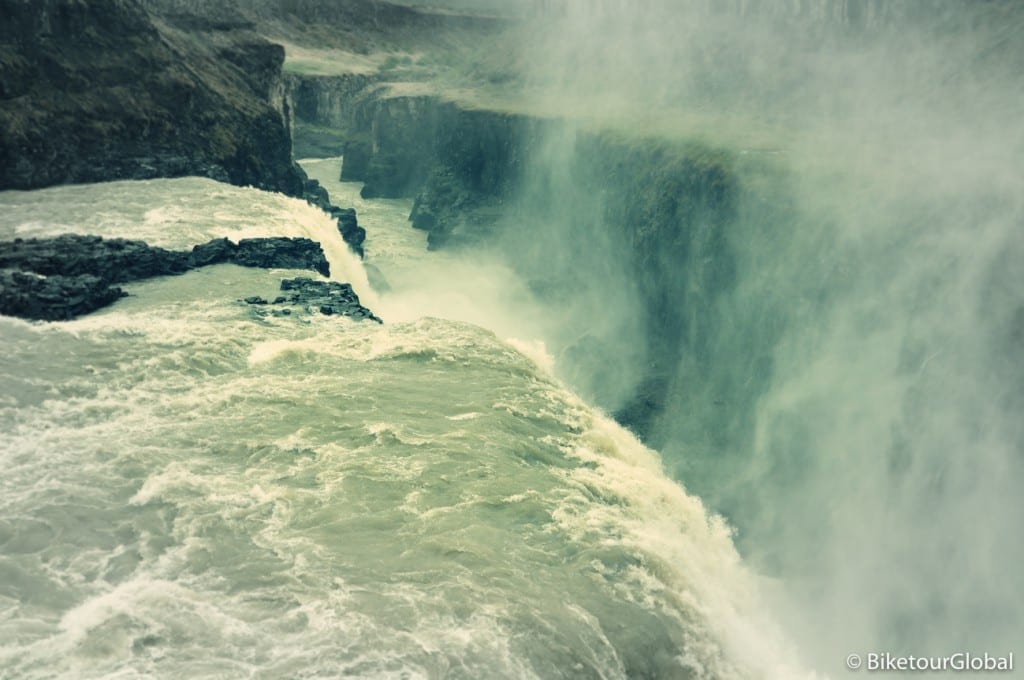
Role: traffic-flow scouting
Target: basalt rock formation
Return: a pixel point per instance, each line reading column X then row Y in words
column 276, row 252
column 53, row 298
column 348, row 224
column 95, row 91
column 64, row 277
column 661, row 210
column 329, row 298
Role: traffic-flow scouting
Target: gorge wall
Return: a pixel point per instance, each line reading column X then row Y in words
column 104, row 90
column 325, row 106
column 818, row 326
column 560, row 202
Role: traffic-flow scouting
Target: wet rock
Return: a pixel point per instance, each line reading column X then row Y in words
column 70, row 275
column 53, row 298
column 96, row 91
column 109, row 260
column 387, row 176
column 273, row 252
column 282, row 253
column 316, row 194
column 327, row 297
column 348, row 227
column 216, row 251
column 344, row 214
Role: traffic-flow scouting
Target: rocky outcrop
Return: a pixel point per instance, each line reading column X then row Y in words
column 53, row 298
column 276, row 253
column 462, row 165
column 63, row 277
column 323, row 107
column 326, row 297
column 348, row 227
column 671, row 209
column 409, row 138
column 658, row 212
column 348, row 224
column 109, row 260
column 95, row 91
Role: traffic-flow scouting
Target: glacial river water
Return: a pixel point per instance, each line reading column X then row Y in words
column 191, row 490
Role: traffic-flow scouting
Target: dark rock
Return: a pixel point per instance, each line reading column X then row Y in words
column 271, row 252
column 53, row 298
column 462, row 165
column 109, row 260
column 282, row 253
column 69, row 275
column 95, row 91
column 356, row 160
column 316, row 194
column 216, row 251
column 326, row 101
column 346, row 214
column 353, row 235
column 256, row 300
column 388, row 176
column 328, row 297
column 348, row 227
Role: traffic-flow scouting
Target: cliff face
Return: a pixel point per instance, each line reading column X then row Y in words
column 326, row 100
column 654, row 216
column 461, row 166
column 101, row 90
column 324, row 105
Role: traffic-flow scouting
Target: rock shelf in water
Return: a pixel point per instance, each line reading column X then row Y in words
column 328, row 297
column 60, row 278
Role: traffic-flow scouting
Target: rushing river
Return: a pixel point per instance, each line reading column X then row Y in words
column 192, row 490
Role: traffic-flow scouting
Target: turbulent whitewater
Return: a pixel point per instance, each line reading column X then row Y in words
column 191, row 489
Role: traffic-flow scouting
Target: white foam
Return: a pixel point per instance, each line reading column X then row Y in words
column 471, row 415
column 698, row 562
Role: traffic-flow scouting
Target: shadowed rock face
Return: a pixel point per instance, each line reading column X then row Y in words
column 95, row 91
column 663, row 210
column 349, row 228
column 53, row 298
column 108, row 260
column 348, row 224
column 60, row 278
column 327, row 297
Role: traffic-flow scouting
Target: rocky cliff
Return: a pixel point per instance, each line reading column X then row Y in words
column 323, row 107
column 60, row 278
column 654, row 215
column 462, row 165
column 93, row 91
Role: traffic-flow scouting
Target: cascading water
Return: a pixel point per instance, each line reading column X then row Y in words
column 192, row 489
column 843, row 378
